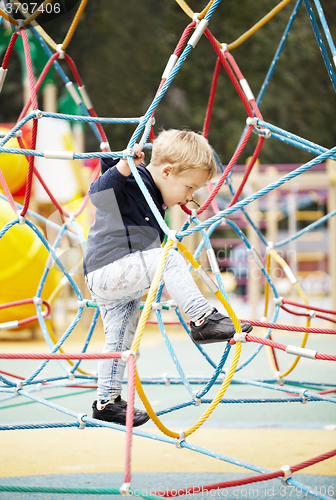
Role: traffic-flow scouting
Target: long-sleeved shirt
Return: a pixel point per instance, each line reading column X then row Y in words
column 124, row 222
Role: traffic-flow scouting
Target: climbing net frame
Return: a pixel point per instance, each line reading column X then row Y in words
column 143, row 133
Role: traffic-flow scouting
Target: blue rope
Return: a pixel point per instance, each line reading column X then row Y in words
column 64, row 77
column 325, row 27
column 300, row 145
column 255, row 196
column 293, row 139
column 48, row 222
column 311, row 226
column 278, row 53
column 320, row 43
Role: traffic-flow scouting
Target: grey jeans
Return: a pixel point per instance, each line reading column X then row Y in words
column 118, row 288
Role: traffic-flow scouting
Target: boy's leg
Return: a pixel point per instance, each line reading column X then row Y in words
column 120, row 320
column 207, row 325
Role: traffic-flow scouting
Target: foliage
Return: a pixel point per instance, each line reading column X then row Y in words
column 121, row 49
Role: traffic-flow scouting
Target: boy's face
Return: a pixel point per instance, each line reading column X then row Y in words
column 179, row 189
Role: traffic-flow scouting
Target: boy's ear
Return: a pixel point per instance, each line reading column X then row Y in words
column 166, row 170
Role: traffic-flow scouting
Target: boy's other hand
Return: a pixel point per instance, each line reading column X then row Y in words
column 138, row 158
column 139, row 155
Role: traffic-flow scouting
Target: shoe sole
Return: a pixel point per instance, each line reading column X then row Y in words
column 99, row 417
column 210, row 341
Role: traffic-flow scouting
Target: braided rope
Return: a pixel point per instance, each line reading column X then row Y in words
column 92, row 118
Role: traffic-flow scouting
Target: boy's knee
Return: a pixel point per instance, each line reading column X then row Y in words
column 175, row 259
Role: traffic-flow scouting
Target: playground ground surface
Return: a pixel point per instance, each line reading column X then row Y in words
column 265, row 434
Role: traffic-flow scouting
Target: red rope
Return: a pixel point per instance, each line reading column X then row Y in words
column 39, row 82
column 73, row 68
column 183, row 38
column 31, row 161
column 92, row 112
column 34, row 131
column 129, row 417
column 176, row 52
column 325, row 357
column 229, row 72
column 282, row 347
column 9, row 50
column 240, row 76
column 86, row 198
column 307, row 315
column 224, row 175
column 99, row 126
column 329, row 391
column 7, row 192
column 248, row 170
column 259, row 340
column 24, row 302
column 313, row 461
column 49, row 193
column 290, row 328
column 211, row 98
column 308, row 306
column 247, row 480
column 276, row 364
column 12, row 375
column 59, row 355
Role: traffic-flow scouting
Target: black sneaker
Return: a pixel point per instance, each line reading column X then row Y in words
column 116, row 412
column 215, row 328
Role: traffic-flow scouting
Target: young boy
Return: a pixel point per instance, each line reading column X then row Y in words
column 123, row 251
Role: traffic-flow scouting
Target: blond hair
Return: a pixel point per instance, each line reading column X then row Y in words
column 184, row 150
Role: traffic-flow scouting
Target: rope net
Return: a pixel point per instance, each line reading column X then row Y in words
column 21, row 231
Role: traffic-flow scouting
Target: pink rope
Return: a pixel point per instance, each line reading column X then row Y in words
column 248, row 170
column 308, row 306
column 60, row 355
column 27, row 301
column 224, row 175
column 9, row 50
column 39, row 82
column 282, row 347
column 290, row 328
column 246, row 480
column 129, row 417
column 34, row 131
column 211, row 98
column 307, row 315
column 7, row 192
column 183, row 38
column 12, row 375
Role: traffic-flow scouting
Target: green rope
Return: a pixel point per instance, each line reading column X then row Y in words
column 82, row 491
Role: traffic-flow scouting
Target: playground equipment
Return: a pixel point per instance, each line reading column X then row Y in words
column 13, row 385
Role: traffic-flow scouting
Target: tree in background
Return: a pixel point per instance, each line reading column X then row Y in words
column 121, row 49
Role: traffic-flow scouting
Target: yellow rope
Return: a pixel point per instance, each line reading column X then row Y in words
column 301, row 293
column 151, row 296
column 267, row 286
column 150, row 410
column 38, row 28
column 185, row 7
column 46, row 37
column 8, row 18
column 258, row 25
column 267, row 297
column 37, row 12
column 29, row 19
column 74, row 24
column 135, row 345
